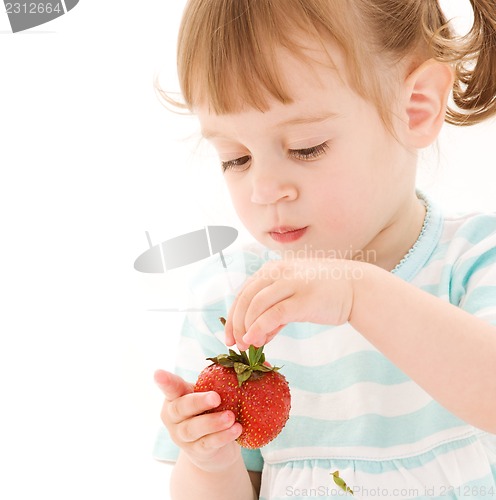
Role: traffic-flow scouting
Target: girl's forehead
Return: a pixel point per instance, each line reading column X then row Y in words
column 308, row 81
column 285, row 75
column 318, row 97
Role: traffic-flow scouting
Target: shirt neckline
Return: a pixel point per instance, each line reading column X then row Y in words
column 416, row 258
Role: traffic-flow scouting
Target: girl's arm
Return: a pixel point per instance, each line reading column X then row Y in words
column 188, row 481
column 450, row 353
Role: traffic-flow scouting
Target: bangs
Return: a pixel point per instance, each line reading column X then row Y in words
column 227, row 50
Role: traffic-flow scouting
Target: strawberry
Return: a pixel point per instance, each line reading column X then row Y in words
column 257, row 394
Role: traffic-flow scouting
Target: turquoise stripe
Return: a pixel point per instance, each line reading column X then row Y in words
column 253, row 459
column 213, row 324
column 454, row 277
column 465, row 271
column 439, row 253
column 186, row 374
column 366, row 430
column 376, row 466
column 363, row 366
column 436, row 289
column 302, row 331
column 470, row 266
column 164, row 448
column 478, row 228
column 480, row 298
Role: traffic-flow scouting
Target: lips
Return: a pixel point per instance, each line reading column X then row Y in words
column 287, row 234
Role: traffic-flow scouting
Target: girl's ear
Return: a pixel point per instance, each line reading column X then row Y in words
column 427, row 90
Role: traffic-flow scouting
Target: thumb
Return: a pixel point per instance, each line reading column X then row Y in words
column 172, row 385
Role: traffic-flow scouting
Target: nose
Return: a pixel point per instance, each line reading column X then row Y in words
column 271, row 186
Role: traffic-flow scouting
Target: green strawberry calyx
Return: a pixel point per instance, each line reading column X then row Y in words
column 246, row 364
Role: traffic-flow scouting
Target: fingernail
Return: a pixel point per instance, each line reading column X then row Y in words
column 248, row 340
column 213, row 399
column 227, row 416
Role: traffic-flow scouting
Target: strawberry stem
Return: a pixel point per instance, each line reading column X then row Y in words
column 244, row 364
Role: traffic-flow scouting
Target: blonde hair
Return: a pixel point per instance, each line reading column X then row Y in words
column 227, row 58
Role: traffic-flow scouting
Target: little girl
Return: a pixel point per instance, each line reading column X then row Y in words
column 380, row 308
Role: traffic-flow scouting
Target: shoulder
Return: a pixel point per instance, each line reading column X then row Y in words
column 468, row 248
column 471, row 235
column 473, row 227
column 464, row 254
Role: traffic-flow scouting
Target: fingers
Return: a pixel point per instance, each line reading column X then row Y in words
column 181, row 402
column 191, row 405
column 258, row 309
column 258, row 336
column 211, row 429
column 271, row 299
column 242, row 305
column 201, row 435
column 233, row 330
column 172, row 385
column 217, row 440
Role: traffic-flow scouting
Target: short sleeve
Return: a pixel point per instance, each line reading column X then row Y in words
column 473, row 283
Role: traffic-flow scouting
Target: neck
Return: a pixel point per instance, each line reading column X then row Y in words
column 396, row 239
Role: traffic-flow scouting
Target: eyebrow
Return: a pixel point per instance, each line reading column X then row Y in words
column 299, row 120
column 308, row 119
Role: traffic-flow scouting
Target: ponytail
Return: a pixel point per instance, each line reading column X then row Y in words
column 474, row 89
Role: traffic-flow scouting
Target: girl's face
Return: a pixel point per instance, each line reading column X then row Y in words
column 321, row 174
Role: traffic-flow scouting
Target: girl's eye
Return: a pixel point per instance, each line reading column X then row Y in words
column 309, row 153
column 238, row 164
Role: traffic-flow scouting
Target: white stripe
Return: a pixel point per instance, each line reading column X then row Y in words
column 454, row 468
column 487, row 314
column 217, row 287
column 360, row 399
column 371, row 453
column 431, row 274
column 485, row 276
column 481, row 247
column 189, row 356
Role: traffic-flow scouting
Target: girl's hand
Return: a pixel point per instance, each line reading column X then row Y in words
column 208, row 440
column 283, row 291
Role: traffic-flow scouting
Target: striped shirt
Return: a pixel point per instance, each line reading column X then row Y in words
column 352, row 410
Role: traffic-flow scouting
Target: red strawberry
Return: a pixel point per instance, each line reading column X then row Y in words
column 257, row 394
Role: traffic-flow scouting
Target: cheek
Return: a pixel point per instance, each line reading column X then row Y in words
column 344, row 209
column 240, row 199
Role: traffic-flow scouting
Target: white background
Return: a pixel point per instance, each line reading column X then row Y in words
column 90, row 160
